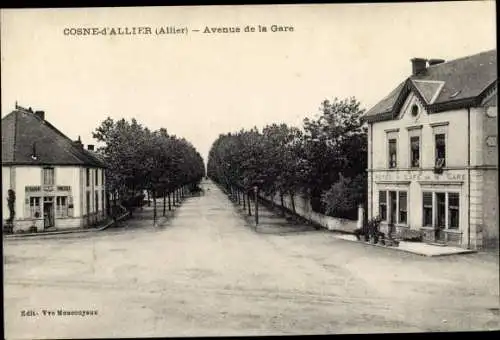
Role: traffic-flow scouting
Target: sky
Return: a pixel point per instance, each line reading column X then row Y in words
column 199, row 85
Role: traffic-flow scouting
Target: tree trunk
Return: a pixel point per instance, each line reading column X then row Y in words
column 243, row 197
column 293, row 202
column 249, row 207
column 164, row 203
column 154, row 208
column 149, row 198
column 282, row 205
column 169, row 202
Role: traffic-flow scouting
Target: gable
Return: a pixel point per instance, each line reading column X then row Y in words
column 407, row 109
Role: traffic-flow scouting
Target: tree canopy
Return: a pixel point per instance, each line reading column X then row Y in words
column 325, row 159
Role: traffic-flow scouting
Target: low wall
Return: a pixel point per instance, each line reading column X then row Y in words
column 303, row 208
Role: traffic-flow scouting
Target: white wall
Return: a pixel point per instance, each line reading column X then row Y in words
column 5, row 189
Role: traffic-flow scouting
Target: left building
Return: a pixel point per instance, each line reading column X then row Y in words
column 51, row 181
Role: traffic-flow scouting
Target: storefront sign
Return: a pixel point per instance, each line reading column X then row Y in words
column 418, row 176
column 63, row 188
column 32, row 188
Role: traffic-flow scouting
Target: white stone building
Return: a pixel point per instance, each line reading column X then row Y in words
column 433, row 153
column 57, row 183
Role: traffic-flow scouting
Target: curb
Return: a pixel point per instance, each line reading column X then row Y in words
column 464, row 252
column 69, row 231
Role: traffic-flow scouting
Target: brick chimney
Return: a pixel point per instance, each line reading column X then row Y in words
column 90, row 147
column 419, row 65
column 436, row 61
column 40, row 114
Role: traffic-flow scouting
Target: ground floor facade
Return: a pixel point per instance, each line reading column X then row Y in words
column 456, row 207
column 66, row 202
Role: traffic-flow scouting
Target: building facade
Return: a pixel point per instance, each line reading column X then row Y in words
column 55, row 181
column 433, row 154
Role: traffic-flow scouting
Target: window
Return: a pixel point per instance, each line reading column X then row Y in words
column 414, row 110
column 48, row 176
column 88, row 177
column 88, row 202
column 402, row 207
column 453, row 210
column 61, row 206
column 415, row 151
column 382, row 201
column 102, row 177
column 96, row 206
column 440, row 140
column 447, row 218
column 35, row 207
column 392, row 153
column 96, row 177
column 427, row 209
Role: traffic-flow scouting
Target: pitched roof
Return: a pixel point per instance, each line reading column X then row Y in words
column 23, row 131
column 454, row 84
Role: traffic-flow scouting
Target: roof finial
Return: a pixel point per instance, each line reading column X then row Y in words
column 16, row 104
column 79, row 139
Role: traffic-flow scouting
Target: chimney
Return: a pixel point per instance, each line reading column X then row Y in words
column 78, row 143
column 436, row 61
column 419, row 65
column 40, row 114
column 90, row 147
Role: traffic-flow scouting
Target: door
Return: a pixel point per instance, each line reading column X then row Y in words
column 48, row 213
column 440, row 216
column 394, row 207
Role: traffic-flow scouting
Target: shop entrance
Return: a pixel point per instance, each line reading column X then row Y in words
column 48, row 212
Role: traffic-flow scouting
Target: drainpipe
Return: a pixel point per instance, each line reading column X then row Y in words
column 371, row 171
column 468, row 176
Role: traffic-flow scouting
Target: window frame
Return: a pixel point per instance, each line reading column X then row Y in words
column 52, row 175
column 392, row 141
column 447, row 209
column 385, row 204
column 436, row 158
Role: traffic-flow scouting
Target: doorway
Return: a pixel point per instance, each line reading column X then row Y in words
column 440, row 216
column 48, row 212
column 393, row 205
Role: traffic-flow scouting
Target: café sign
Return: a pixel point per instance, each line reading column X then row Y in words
column 418, row 176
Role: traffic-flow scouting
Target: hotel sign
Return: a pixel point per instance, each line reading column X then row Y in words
column 418, row 176
column 36, row 188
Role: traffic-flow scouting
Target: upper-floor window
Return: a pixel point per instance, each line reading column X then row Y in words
column 48, row 176
column 440, row 144
column 88, row 177
column 392, row 153
column 415, row 151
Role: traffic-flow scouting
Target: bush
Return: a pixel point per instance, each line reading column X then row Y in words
column 344, row 196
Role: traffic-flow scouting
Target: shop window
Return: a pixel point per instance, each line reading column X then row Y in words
column 440, row 140
column 102, row 176
column 382, row 201
column 88, row 177
column 35, row 207
column 61, row 206
column 392, row 153
column 96, row 177
column 103, row 198
column 48, row 176
column 427, row 209
column 96, row 206
column 415, row 151
column 403, row 213
column 453, row 210
column 88, row 202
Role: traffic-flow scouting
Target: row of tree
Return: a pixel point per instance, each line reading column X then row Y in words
column 139, row 159
column 325, row 160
